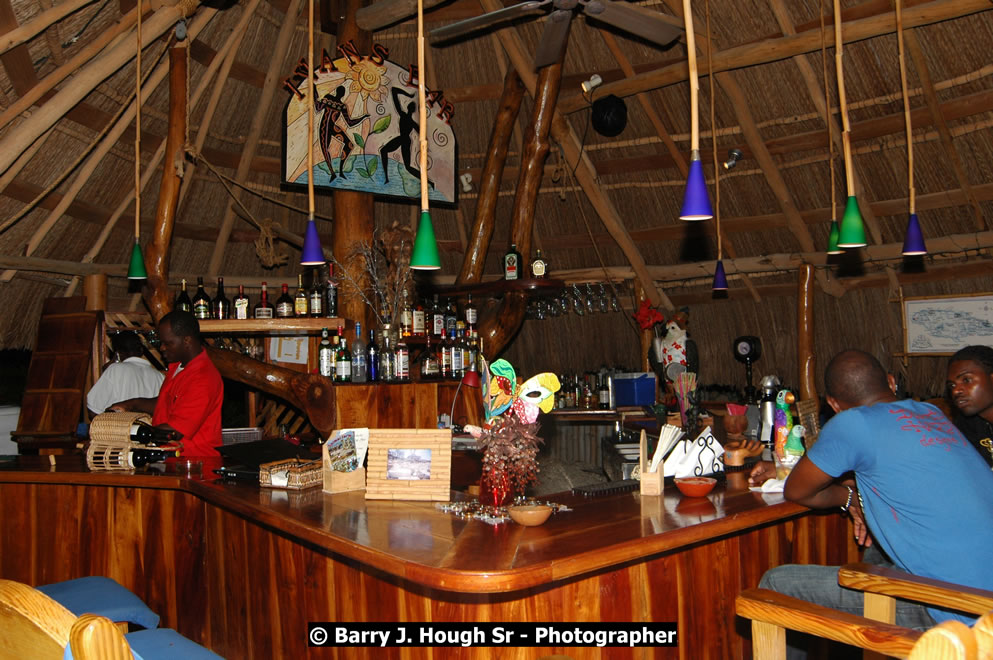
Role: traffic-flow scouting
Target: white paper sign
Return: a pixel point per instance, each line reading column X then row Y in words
column 288, row 349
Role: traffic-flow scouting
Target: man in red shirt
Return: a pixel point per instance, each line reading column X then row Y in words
column 191, row 395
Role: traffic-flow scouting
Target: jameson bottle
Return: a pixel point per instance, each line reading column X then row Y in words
column 300, row 300
column 512, row 264
column 284, row 303
column 437, row 319
column 263, row 309
column 331, row 295
column 201, row 302
column 221, row 304
column 316, row 296
column 183, row 302
column 241, row 304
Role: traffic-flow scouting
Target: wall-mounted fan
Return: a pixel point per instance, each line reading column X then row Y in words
column 652, row 26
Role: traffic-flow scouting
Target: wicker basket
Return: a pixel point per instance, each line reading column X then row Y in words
column 300, row 474
column 115, row 427
column 112, row 456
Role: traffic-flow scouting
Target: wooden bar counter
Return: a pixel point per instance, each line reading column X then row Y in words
column 242, row 570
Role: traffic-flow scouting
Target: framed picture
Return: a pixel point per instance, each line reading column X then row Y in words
column 941, row 325
column 409, row 464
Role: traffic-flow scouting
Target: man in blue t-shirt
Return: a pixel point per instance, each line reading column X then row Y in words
column 925, row 496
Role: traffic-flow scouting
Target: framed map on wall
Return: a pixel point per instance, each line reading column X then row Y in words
column 943, row 325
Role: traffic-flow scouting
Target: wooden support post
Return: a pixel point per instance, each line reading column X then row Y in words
column 95, row 290
column 805, row 332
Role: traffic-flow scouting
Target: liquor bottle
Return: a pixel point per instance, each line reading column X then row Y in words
column 603, row 392
column 417, row 320
column 455, row 346
column 539, row 267
column 183, row 302
column 263, row 308
column 343, row 361
column 472, row 342
column 406, row 316
column 241, row 304
column 512, row 264
column 437, row 320
column 450, row 317
column 141, row 457
column 147, row 434
column 201, row 302
column 334, row 356
column 300, row 300
column 360, row 371
column 387, row 356
column 284, row 304
column 372, row 358
column 221, row 304
column 325, row 356
column 316, row 296
column 428, row 362
column 331, row 295
column 402, row 360
column 470, row 312
column 445, row 357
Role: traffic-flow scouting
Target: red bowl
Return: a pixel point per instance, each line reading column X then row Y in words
column 695, row 486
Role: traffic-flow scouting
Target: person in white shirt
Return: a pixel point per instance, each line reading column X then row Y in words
column 130, row 376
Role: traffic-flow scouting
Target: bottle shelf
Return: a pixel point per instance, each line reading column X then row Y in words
column 283, row 326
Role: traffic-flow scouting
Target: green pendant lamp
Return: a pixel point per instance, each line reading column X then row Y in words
column 424, row 255
column 136, row 269
column 835, row 231
column 833, row 247
column 852, row 230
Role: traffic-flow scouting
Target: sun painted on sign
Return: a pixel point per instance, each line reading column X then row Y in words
column 366, row 128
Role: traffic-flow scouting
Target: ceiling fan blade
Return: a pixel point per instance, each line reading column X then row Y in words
column 650, row 25
column 553, row 38
column 460, row 28
column 387, row 12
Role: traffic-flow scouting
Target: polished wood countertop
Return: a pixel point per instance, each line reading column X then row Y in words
column 416, row 541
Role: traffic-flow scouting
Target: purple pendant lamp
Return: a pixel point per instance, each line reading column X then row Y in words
column 913, row 242
column 696, row 202
column 311, row 254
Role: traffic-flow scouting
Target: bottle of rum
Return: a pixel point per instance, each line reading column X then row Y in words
column 325, row 356
column 301, row 300
column 183, row 302
column 316, row 296
column 539, row 267
column 284, row 303
column 201, row 302
column 263, row 308
column 331, row 295
column 221, row 304
column 512, row 264
column 359, row 364
column 241, row 304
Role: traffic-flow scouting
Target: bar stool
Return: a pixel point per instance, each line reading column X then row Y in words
column 103, row 596
column 96, row 638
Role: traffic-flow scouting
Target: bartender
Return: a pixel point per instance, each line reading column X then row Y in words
column 191, row 395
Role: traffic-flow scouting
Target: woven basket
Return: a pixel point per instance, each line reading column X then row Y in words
column 115, row 427
column 108, row 456
column 299, row 474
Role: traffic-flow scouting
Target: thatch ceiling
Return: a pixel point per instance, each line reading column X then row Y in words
column 775, row 205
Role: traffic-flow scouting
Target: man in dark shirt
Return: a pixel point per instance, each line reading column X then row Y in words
column 970, row 388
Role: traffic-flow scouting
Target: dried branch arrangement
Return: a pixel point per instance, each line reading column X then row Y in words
column 386, row 264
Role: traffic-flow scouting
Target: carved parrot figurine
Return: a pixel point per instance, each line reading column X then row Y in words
column 783, row 421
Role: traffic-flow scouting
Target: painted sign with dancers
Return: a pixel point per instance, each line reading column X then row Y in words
column 366, row 133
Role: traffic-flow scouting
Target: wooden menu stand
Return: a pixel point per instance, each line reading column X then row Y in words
column 651, row 482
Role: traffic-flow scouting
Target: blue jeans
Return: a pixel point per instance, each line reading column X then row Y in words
column 819, row 584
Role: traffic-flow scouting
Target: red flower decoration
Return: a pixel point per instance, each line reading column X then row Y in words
column 647, row 316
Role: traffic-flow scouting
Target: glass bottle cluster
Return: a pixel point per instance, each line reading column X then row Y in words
column 318, row 301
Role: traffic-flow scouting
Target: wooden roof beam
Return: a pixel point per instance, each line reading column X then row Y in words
column 40, row 23
column 739, row 57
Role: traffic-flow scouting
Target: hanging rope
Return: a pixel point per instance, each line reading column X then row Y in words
column 713, row 137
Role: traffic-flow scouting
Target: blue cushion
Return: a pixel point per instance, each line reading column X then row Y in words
column 160, row 643
column 103, row 596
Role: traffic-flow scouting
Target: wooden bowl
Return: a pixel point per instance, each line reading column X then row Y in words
column 695, row 486
column 530, row 515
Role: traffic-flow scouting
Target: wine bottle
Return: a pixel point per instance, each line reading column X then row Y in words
column 300, row 300
column 360, row 372
column 331, row 295
column 241, row 304
column 316, row 296
column 141, row 457
column 343, row 361
column 372, row 358
column 183, row 302
column 263, row 309
column 147, row 434
column 201, row 302
column 221, row 304
column 284, row 304
column 325, row 356
column 512, row 264
column 539, row 267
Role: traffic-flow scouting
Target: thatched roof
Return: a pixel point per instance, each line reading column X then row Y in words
column 775, row 206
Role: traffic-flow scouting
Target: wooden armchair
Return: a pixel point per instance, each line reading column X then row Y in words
column 773, row 613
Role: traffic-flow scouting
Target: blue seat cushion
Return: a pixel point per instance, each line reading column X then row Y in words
column 160, row 644
column 103, row 596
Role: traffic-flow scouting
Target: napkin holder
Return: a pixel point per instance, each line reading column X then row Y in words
column 651, row 482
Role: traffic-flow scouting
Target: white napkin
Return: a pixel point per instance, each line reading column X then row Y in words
column 689, row 455
column 770, row 486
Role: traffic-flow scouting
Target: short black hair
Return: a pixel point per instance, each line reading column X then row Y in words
column 855, row 377
column 183, row 324
column 981, row 355
column 126, row 343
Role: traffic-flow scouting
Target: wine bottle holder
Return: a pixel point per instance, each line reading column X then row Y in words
column 110, row 440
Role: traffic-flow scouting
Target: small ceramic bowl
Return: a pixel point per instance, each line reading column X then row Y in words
column 695, row 486
column 530, row 515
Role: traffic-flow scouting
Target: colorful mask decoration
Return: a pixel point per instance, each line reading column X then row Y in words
column 503, row 393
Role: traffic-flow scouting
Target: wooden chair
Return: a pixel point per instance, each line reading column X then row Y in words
column 773, row 613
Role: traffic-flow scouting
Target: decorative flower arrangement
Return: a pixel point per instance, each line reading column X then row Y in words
column 650, row 318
